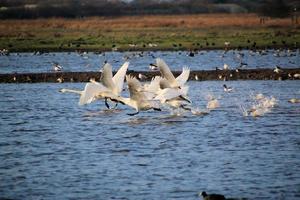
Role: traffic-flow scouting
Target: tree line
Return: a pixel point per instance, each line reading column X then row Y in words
column 21, row 9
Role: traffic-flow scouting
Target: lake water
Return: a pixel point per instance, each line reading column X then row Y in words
column 52, row 148
column 203, row 60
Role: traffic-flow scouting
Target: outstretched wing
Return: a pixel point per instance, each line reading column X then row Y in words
column 91, row 91
column 118, row 78
column 166, row 72
column 183, row 77
column 106, row 77
column 135, row 89
column 152, row 88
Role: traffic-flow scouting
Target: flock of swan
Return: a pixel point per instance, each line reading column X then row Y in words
column 162, row 90
column 165, row 90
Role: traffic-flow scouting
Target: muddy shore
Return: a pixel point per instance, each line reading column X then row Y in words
column 201, row 75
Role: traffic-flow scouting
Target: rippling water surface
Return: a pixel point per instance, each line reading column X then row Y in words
column 29, row 62
column 51, row 148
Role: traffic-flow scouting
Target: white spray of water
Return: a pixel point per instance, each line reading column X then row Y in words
column 262, row 104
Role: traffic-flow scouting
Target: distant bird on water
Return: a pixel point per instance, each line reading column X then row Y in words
column 153, row 67
column 57, row 67
column 142, row 77
column 212, row 196
column 277, row 69
column 294, row 100
column 227, row 89
column 296, row 75
column 225, row 67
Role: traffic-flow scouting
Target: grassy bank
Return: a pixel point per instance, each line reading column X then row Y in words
column 148, row 33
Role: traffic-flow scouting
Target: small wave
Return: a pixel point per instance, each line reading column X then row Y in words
column 31, row 130
column 18, row 123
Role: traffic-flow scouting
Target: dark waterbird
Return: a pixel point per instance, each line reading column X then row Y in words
column 212, row 196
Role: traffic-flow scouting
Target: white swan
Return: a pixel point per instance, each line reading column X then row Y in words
column 108, row 88
column 167, row 74
column 178, row 97
column 159, row 89
column 91, row 90
column 114, row 83
column 138, row 99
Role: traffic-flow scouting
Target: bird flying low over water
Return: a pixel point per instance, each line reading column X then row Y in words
column 162, row 90
column 137, row 99
column 170, row 90
column 114, row 83
column 159, row 89
column 91, row 90
column 168, row 75
column 108, row 87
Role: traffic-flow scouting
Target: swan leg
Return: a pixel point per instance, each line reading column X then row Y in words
column 106, row 104
column 117, row 101
column 185, row 108
column 185, row 99
column 132, row 114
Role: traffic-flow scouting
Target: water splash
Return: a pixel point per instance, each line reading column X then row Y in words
column 212, row 102
column 198, row 111
column 261, row 105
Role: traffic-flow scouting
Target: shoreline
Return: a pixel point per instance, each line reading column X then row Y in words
column 95, row 50
column 197, row 75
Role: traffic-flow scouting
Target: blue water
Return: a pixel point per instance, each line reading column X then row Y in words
column 203, row 60
column 51, row 148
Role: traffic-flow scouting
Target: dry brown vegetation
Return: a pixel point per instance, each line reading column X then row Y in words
column 129, row 22
column 104, row 32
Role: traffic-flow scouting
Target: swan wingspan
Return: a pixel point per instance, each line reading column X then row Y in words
column 183, row 77
column 91, row 91
column 166, row 72
column 118, row 78
column 106, row 77
column 135, row 88
column 152, row 88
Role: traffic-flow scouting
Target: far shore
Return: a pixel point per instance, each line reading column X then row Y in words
column 149, row 33
column 101, row 50
column 198, row 75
